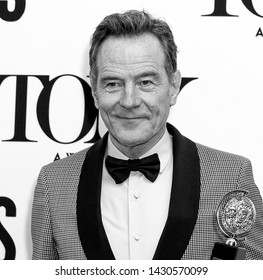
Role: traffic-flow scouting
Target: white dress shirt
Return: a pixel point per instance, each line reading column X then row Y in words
column 134, row 212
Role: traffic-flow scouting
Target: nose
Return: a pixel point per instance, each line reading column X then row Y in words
column 129, row 98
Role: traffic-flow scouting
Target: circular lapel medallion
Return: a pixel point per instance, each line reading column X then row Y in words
column 236, row 214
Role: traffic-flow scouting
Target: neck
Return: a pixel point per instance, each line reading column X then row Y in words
column 136, row 151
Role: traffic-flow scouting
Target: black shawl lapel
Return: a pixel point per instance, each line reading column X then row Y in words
column 91, row 232
column 184, row 201
column 183, row 209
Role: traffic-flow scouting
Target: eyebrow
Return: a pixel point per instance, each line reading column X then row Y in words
column 109, row 78
column 116, row 77
column 137, row 76
column 153, row 74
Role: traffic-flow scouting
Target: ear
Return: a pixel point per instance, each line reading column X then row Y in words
column 175, row 86
column 95, row 98
column 94, row 93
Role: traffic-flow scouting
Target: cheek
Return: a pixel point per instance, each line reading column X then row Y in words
column 106, row 102
column 163, row 105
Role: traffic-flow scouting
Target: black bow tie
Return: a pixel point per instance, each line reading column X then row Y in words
column 120, row 169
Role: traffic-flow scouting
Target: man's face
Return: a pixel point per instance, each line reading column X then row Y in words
column 133, row 91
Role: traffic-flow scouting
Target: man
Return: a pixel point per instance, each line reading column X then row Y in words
column 103, row 202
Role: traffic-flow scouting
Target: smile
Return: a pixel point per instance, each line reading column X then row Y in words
column 131, row 118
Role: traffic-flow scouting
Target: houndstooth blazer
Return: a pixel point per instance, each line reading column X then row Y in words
column 66, row 216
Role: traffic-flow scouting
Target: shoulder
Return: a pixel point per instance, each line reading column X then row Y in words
column 60, row 178
column 213, row 156
column 224, row 169
column 69, row 164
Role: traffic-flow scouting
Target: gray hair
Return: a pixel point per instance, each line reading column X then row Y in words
column 133, row 23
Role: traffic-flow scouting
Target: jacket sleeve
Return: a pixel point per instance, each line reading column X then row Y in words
column 44, row 246
column 254, row 240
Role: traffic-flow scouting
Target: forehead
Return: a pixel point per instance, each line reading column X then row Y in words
column 130, row 53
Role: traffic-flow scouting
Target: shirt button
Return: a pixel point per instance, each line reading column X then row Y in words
column 137, row 236
column 136, row 195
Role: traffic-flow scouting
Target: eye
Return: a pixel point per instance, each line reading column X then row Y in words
column 146, row 84
column 111, row 86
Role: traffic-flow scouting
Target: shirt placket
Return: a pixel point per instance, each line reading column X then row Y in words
column 135, row 229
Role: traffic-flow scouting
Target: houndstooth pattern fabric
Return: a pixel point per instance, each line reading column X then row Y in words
column 221, row 173
column 54, row 222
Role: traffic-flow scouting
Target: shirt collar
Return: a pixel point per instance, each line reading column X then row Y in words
column 164, row 149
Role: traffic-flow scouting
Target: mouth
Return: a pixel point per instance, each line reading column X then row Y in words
column 131, row 118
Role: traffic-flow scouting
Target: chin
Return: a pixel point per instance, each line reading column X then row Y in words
column 131, row 139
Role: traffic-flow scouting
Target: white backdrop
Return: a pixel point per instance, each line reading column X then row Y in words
column 222, row 108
